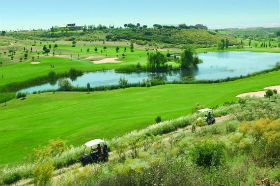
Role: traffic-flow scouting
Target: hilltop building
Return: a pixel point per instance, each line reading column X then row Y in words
column 72, row 27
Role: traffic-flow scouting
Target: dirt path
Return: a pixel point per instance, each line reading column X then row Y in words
column 189, row 128
column 60, row 172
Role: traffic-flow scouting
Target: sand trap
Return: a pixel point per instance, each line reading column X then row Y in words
column 61, row 56
column 259, row 93
column 94, row 57
column 107, row 60
column 35, row 62
column 274, row 88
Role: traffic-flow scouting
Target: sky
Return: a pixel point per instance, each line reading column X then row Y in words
column 35, row 14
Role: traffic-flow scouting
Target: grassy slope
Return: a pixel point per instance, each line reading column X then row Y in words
column 22, row 72
column 26, row 124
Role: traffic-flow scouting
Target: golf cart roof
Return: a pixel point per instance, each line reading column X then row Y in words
column 205, row 110
column 94, row 142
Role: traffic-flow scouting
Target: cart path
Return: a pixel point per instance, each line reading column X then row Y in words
column 166, row 137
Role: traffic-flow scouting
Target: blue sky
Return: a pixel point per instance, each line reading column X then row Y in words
column 28, row 14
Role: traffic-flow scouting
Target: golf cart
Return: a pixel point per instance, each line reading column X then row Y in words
column 99, row 152
column 210, row 120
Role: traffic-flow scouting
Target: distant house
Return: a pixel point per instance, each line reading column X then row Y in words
column 72, row 27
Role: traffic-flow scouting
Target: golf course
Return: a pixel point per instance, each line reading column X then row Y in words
column 29, row 123
column 140, row 93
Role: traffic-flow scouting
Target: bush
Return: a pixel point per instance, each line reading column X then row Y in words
column 123, row 83
column 43, row 173
column 64, row 85
column 208, row 153
column 21, row 95
column 268, row 93
column 266, row 133
column 55, row 147
column 52, row 77
column 73, row 74
column 231, row 127
column 158, row 119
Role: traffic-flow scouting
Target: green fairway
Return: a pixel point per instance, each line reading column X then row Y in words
column 78, row 117
column 22, row 72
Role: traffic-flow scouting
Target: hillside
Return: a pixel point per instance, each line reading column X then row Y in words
column 166, row 37
column 242, row 148
column 244, row 33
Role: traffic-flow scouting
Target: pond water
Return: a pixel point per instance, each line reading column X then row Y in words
column 216, row 65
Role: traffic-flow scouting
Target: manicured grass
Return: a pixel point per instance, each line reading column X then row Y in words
column 22, row 72
column 78, row 117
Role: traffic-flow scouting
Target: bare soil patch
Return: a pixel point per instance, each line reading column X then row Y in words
column 252, row 94
column 107, row 60
column 94, row 57
column 61, row 56
column 35, row 62
column 223, row 118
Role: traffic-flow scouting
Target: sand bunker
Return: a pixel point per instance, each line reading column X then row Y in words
column 94, row 57
column 259, row 93
column 35, row 62
column 107, row 60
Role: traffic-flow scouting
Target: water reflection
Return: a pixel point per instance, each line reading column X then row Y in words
column 215, row 66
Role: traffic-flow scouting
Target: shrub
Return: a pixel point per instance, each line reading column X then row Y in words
column 43, row 173
column 231, row 127
column 208, row 153
column 55, row 147
column 73, row 74
column 268, row 93
column 158, row 119
column 52, row 77
column 64, row 85
column 123, row 82
column 21, row 95
column 266, row 133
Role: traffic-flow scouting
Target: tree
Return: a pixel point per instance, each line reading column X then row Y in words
column 156, row 61
column 74, row 43
column 123, row 83
column 117, row 49
column 188, row 60
column 64, row 85
column 227, row 43
column 25, row 56
column 3, row 33
column 157, row 26
column 88, row 87
column 43, row 173
column 268, row 93
column 158, row 119
column 221, row 44
column 46, row 50
column 131, row 46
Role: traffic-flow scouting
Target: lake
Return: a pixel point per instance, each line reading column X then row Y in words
column 215, row 66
